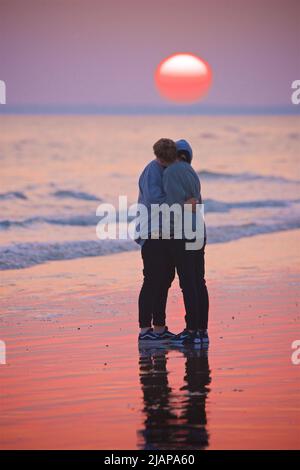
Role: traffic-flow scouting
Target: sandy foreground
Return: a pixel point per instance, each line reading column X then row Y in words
column 75, row 378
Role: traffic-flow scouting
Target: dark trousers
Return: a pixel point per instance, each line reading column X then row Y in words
column 160, row 258
column 159, row 272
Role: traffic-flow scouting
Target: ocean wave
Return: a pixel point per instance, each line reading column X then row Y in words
column 76, row 220
column 65, row 193
column 212, row 205
column 13, row 195
column 228, row 233
column 23, row 255
column 246, row 176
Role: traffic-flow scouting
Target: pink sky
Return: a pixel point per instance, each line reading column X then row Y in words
column 105, row 52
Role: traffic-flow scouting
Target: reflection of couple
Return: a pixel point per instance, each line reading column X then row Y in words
column 171, row 179
column 172, row 421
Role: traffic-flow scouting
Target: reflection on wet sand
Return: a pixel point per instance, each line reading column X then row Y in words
column 174, row 419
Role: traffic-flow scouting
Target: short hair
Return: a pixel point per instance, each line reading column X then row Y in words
column 165, row 149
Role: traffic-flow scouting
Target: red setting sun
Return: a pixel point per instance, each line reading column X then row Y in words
column 183, row 78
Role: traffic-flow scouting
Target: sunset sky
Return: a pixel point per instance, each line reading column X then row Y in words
column 104, row 52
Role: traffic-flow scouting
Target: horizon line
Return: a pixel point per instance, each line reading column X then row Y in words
column 87, row 109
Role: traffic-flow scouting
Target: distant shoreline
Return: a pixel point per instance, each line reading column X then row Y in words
column 200, row 110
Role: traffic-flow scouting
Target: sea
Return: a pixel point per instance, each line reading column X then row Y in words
column 57, row 169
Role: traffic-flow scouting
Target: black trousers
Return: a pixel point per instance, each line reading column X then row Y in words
column 161, row 258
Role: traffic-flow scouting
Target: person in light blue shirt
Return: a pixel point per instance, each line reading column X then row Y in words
column 158, row 270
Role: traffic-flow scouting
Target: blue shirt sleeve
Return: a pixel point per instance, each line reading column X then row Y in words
column 151, row 185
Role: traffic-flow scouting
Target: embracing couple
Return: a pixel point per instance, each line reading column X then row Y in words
column 170, row 180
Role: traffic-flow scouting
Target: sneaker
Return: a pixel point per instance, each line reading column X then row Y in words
column 149, row 337
column 204, row 337
column 186, row 337
column 166, row 334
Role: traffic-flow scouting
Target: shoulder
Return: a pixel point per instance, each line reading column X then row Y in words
column 194, row 172
column 173, row 168
column 177, row 168
column 153, row 168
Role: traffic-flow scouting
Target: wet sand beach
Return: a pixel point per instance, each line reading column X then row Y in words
column 75, row 377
